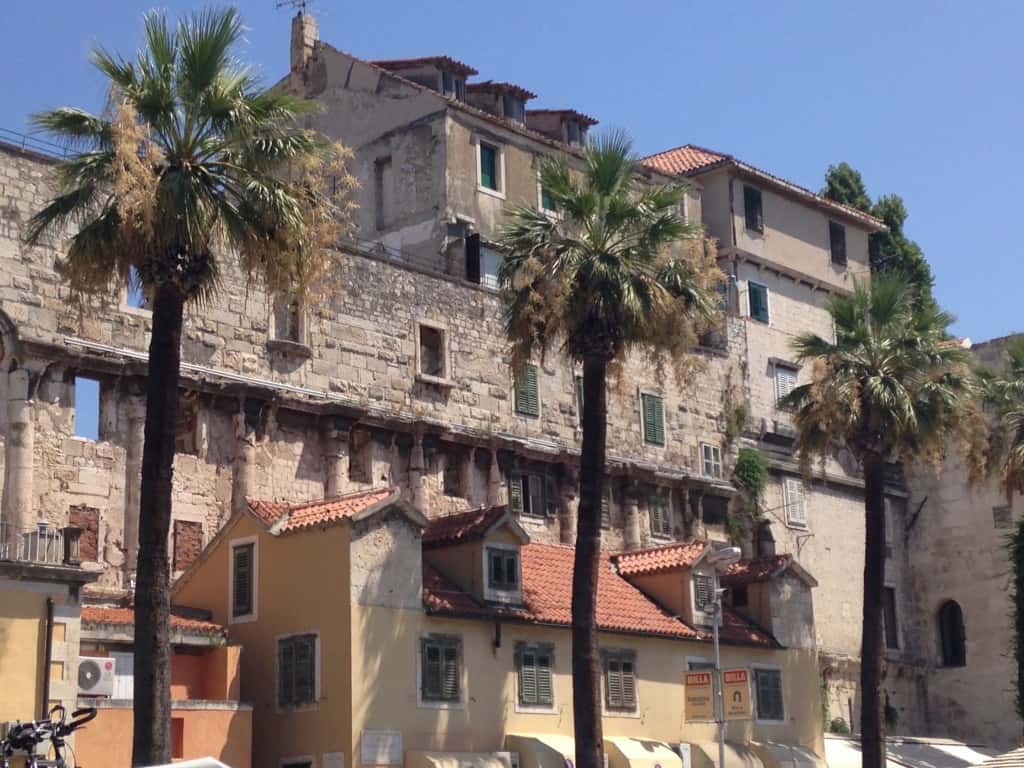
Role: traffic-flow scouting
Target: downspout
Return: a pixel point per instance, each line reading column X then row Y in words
column 47, row 656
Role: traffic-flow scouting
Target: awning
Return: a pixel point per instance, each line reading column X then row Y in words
column 775, row 755
column 418, row 759
column 844, row 752
column 542, row 750
column 640, row 753
column 705, row 755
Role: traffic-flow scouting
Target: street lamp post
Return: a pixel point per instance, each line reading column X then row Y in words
column 719, row 560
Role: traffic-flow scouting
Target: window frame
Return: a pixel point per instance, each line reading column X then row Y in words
column 234, row 544
column 549, row 494
column 759, row 223
column 301, row 326
column 499, row 169
column 443, row 639
column 754, row 669
column 75, row 406
column 501, row 594
column 537, row 648
column 697, row 611
column 789, row 481
column 304, row 706
column 643, row 394
column 833, row 227
column 958, row 643
column 660, row 497
column 780, row 367
column 751, row 284
column 527, row 368
column 621, row 655
column 445, row 379
column 717, row 468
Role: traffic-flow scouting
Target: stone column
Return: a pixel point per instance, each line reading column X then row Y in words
column 335, row 458
column 17, row 500
column 245, row 461
column 467, row 476
column 495, row 489
column 135, row 441
column 417, row 480
column 568, row 505
column 631, row 518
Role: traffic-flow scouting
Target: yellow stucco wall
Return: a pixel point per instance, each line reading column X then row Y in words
column 22, row 630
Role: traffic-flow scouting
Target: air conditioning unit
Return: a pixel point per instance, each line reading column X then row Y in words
column 95, row 676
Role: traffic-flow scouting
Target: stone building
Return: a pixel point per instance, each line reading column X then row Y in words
column 402, row 376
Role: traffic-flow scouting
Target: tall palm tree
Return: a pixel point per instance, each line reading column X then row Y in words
column 889, row 388
column 1003, row 396
column 608, row 274
column 191, row 164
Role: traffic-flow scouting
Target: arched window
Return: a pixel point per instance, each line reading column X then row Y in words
column 951, row 635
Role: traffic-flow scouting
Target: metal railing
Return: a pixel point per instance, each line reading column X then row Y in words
column 42, row 544
column 30, row 143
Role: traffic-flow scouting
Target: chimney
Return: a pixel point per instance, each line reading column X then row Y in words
column 305, row 36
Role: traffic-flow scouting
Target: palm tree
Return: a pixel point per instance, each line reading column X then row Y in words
column 190, row 164
column 606, row 275
column 1003, row 396
column 889, row 388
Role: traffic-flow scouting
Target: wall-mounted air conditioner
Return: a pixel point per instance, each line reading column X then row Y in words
column 95, row 676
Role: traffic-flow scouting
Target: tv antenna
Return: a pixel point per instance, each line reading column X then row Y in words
column 298, row 5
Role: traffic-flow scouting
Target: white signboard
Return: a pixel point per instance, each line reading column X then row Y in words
column 381, row 748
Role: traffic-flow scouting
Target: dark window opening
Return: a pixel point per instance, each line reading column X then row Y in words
column 837, row 242
column 296, row 671
column 768, row 690
column 473, row 258
column 432, row 357
column 244, row 580
column 716, row 510
column 502, row 569
column 383, row 191
column 452, row 478
column 752, row 209
column 952, row 635
column 287, row 319
column 360, row 456
column 740, row 596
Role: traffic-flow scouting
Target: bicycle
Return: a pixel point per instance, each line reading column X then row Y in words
column 26, row 737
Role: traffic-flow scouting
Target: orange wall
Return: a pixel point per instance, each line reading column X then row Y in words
column 221, row 733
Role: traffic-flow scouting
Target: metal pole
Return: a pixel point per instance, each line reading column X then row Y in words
column 719, row 704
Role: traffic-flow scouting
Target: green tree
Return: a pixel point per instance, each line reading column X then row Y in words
column 891, row 251
column 616, row 270
column 1003, row 397
column 191, row 163
column 891, row 387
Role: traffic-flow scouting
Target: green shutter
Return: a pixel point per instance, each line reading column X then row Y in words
column 545, row 690
column 628, row 686
column 613, row 683
column 654, row 419
column 431, row 670
column 758, row 302
column 527, row 396
column 515, row 493
column 546, row 201
column 488, row 167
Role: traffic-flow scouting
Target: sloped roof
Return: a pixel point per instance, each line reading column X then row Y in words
column 764, row 569
column 468, row 526
column 182, row 619
column 494, row 86
column 660, row 559
column 287, row 517
column 584, row 119
column 441, row 62
column 547, row 599
column 690, row 159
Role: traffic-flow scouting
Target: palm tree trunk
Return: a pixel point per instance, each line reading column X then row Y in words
column 586, row 681
column 872, row 732
column 152, row 707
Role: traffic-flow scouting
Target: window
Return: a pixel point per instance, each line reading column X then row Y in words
column 383, row 192
column 793, row 501
column 452, row 85
column 574, row 133
column 1002, row 517
column 837, row 243
column 360, row 455
column 87, row 408
column 87, row 520
column 703, row 594
column 188, row 543
column 534, row 494
column 547, row 202
column 768, row 693
column 888, row 527
column 890, row 628
column 758, row 295
column 482, row 264
column 606, row 507
column 653, row 418
column 715, row 510
column 740, row 596
column 432, row 351
column 243, row 581
column 288, row 319
column 440, row 672
column 452, row 478
column 620, row 680
column 752, row 208
column 661, row 515
column 502, row 569
column 785, row 380
column 710, row 460
column 490, row 167
column 513, row 108
column 186, row 427
column 296, row 671
column 952, row 635
column 527, row 397
column 533, row 668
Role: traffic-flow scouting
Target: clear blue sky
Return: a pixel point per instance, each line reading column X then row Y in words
column 924, row 98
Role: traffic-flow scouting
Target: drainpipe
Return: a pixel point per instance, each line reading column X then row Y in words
column 17, row 498
column 47, row 657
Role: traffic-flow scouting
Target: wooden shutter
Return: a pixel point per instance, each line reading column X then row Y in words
column 473, row 258
column 702, row 590
column 545, row 691
column 654, row 419
column 536, row 494
column 285, row 673
column 793, row 493
column 527, row 396
column 628, row 685
column 785, row 380
column 515, row 493
column 837, row 242
column 243, row 580
column 613, row 682
column 450, row 690
column 431, row 671
column 606, row 507
column 579, row 397
column 305, row 669
column 660, row 525
column 527, row 678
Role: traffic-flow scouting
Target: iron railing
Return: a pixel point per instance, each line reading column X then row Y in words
column 42, row 544
column 30, row 143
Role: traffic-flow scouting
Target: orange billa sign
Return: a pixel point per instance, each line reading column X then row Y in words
column 736, row 694
column 700, row 702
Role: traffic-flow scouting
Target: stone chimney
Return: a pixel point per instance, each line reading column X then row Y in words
column 305, row 36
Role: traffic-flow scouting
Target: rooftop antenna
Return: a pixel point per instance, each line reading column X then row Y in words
column 298, row 5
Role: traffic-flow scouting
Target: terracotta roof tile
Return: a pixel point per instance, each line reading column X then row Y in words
column 125, row 617
column 752, row 571
column 657, row 559
column 685, row 159
column 493, row 86
column 441, row 596
column 442, row 62
column 570, row 113
column 291, row 517
column 464, row 526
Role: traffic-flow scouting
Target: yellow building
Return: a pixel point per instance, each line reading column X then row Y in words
column 373, row 636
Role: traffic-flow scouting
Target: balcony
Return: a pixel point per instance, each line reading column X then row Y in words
column 42, row 545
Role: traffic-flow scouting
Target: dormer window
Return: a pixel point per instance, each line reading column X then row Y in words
column 574, row 133
column 502, row 579
column 453, row 85
column 513, row 108
column 703, row 594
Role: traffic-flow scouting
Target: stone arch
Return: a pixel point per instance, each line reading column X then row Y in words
column 952, row 635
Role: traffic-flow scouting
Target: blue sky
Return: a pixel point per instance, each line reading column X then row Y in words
column 923, row 98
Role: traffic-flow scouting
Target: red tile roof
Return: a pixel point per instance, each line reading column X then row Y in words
column 547, row 599
column 584, row 119
column 464, row 526
column 684, row 159
column 290, row 517
column 181, row 619
column 441, row 62
column 758, row 569
column 659, row 559
column 493, row 86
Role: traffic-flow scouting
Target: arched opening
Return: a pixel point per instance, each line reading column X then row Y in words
column 951, row 635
